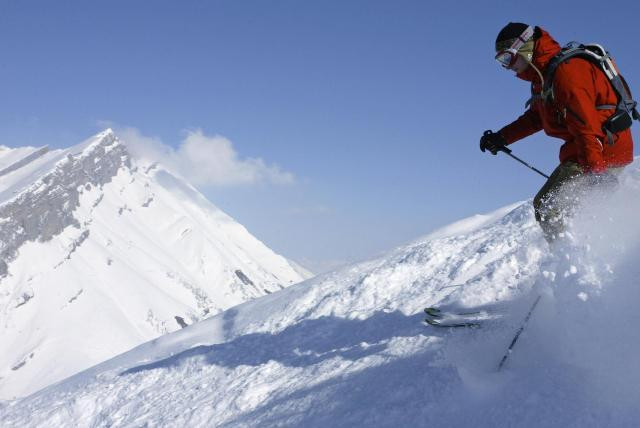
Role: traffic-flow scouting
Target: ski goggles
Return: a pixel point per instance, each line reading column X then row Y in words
column 507, row 57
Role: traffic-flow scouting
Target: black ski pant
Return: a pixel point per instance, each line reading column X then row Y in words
column 553, row 202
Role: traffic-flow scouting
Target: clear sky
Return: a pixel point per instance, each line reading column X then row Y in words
column 357, row 121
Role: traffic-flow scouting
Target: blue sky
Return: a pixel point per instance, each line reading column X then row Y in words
column 373, row 109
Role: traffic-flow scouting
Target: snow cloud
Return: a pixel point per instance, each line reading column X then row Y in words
column 205, row 160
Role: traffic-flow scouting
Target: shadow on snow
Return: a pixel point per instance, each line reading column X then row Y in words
column 303, row 344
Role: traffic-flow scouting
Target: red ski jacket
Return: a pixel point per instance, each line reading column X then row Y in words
column 578, row 87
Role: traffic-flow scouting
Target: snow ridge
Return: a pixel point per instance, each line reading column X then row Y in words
column 24, row 161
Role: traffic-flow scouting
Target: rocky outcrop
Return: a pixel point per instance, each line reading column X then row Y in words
column 45, row 208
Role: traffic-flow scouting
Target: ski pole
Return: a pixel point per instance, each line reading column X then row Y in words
column 508, row 151
column 515, row 338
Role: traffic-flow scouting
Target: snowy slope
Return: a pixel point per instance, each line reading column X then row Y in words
column 349, row 348
column 102, row 252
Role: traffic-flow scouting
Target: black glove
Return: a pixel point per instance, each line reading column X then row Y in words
column 492, row 141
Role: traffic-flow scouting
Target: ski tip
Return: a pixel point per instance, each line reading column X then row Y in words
column 431, row 322
column 436, row 323
column 432, row 312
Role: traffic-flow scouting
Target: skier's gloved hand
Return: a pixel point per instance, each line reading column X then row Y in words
column 492, row 141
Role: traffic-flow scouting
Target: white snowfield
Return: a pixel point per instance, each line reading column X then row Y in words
column 100, row 252
column 349, row 348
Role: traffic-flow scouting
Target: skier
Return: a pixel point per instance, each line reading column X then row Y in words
column 578, row 104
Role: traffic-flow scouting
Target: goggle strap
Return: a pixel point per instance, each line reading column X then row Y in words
column 523, row 38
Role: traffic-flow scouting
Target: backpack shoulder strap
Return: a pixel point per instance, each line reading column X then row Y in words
column 571, row 50
column 598, row 56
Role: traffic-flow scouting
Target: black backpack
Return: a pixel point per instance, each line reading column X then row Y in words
column 625, row 110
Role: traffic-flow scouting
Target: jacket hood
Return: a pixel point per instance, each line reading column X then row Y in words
column 545, row 48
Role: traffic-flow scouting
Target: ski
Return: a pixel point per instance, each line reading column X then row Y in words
column 444, row 318
column 449, row 324
column 438, row 313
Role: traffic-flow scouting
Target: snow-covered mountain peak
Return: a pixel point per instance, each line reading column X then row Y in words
column 130, row 249
column 40, row 191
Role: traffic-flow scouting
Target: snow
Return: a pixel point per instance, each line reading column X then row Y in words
column 349, row 348
column 104, row 252
column 9, row 156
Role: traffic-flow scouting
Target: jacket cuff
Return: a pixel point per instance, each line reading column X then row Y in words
column 505, row 134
